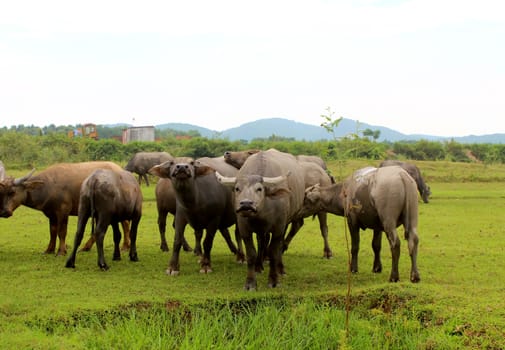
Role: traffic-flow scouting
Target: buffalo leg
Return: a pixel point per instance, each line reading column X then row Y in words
column 226, row 235
column 81, row 225
column 101, row 229
column 133, row 239
column 376, row 246
column 354, row 232
column 117, row 241
column 293, row 229
column 394, row 243
column 323, row 227
column 250, row 283
column 174, row 265
column 198, row 242
column 53, row 234
column 275, row 254
column 144, row 176
column 89, row 243
column 205, row 265
column 413, row 241
column 240, row 249
column 126, row 235
column 62, row 234
column 162, row 227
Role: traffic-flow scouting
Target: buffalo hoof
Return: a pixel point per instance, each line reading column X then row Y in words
column 134, row 257
column 164, row 248
column 103, row 267
column 328, row 254
column 172, row 272
column 377, row 269
column 70, row 264
column 116, row 257
column 241, row 259
column 250, row 287
column 394, row 279
column 206, row 269
column 187, row 248
column 415, row 278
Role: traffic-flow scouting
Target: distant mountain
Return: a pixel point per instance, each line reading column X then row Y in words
column 264, row 128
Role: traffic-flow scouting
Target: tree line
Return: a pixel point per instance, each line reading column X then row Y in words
column 22, row 147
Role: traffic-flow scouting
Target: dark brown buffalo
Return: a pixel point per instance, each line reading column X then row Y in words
column 141, row 162
column 108, row 197
column 201, row 202
column 377, row 198
column 413, row 170
column 166, row 203
column 314, row 171
column 269, row 191
column 54, row 191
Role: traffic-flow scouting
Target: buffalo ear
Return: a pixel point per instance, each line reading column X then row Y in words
column 201, row 170
column 155, row 170
column 162, row 170
column 33, row 184
column 277, row 192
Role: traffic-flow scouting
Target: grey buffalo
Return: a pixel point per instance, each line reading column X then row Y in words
column 380, row 199
column 269, row 191
column 237, row 158
column 108, row 197
column 314, row 171
column 54, row 191
column 312, row 174
column 413, row 170
column 141, row 162
column 201, row 202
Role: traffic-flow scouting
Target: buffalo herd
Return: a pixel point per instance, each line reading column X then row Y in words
column 262, row 195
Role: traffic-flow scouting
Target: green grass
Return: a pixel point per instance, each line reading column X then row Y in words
column 458, row 303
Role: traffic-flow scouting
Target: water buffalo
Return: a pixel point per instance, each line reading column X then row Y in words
column 54, row 191
column 141, row 162
column 377, row 198
column 413, row 170
column 200, row 201
column 166, row 203
column 237, row 158
column 108, row 197
column 269, row 191
column 313, row 174
column 314, row 171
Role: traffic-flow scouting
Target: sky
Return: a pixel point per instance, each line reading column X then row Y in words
column 434, row 67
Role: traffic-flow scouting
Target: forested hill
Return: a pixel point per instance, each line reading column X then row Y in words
column 265, row 128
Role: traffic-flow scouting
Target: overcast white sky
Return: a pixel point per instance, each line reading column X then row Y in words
column 421, row 66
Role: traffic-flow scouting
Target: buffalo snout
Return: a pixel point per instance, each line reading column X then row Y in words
column 246, row 207
column 181, row 170
column 5, row 213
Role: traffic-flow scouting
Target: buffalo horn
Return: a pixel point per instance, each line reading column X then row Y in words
column 20, row 180
column 225, row 179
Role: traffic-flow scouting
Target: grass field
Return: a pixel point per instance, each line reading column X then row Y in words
column 459, row 302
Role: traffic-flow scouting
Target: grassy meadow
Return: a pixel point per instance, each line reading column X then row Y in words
column 458, row 304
